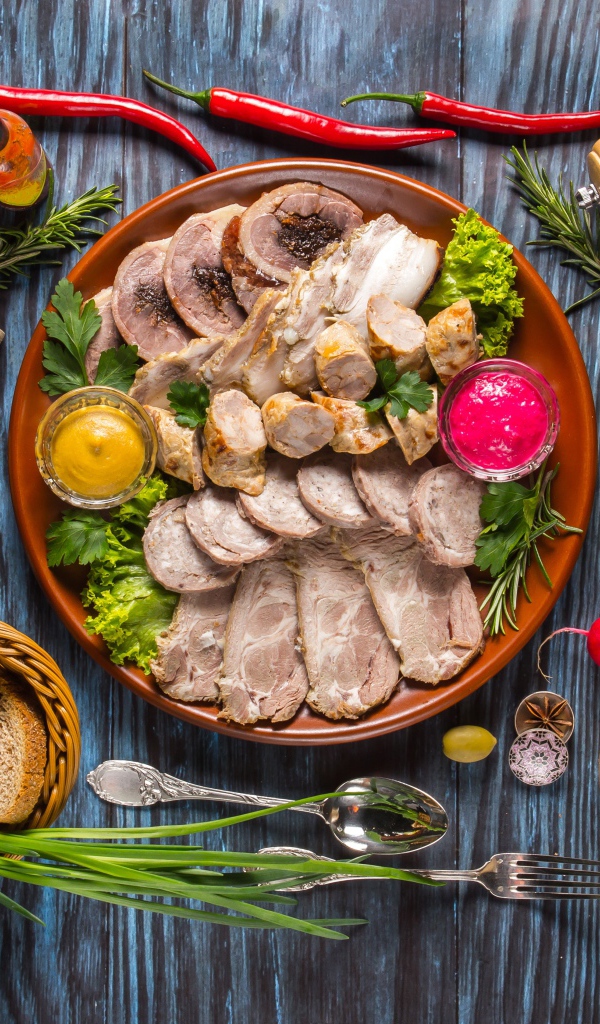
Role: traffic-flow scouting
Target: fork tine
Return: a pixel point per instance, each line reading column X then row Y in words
column 533, row 882
column 552, row 858
column 554, row 873
column 555, row 895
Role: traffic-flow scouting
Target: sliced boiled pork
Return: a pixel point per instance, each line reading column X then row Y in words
column 279, row 507
column 385, row 482
column 444, row 514
column 326, row 488
column 172, row 557
column 214, row 521
column 107, row 335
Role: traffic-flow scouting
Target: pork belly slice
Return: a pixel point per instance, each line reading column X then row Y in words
column 172, row 557
column 396, row 332
column 179, row 452
column 342, row 362
column 356, row 430
column 295, row 427
column 429, row 612
column 444, row 514
column 197, row 283
column 291, row 226
column 327, row 490
column 247, row 282
column 214, row 521
column 417, row 432
column 235, row 442
column 263, row 674
column 141, row 307
column 107, row 335
column 279, row 507
column 308, row 314
column 153, row 380
column 190, row 652
column 452, row 341
column 385, row 482
column 225, row 368
column 261, row 373
column 351, row 664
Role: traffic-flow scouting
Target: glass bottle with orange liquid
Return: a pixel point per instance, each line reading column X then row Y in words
column 23, row 164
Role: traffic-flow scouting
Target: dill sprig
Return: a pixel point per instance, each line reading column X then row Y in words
column 562, row 223
column 28, row 245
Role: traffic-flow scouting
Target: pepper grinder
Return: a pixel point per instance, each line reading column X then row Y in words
column 589, row 196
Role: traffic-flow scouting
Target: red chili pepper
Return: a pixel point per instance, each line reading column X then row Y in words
column 304, row 124
column 440, row 108
column 48, row 102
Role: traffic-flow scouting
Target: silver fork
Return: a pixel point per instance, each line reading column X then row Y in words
column 510, row 876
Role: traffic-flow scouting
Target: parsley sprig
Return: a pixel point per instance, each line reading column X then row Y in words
column 72, row 325
column 189, row 402
column 402, row 392
column 518, row 518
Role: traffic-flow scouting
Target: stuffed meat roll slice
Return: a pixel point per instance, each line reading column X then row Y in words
column 218, row 527
column 172, row 557
column 279, row 508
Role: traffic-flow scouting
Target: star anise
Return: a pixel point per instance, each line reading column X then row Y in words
column 554, row 717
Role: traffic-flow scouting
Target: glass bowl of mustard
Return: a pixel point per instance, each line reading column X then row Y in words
column 95, row 447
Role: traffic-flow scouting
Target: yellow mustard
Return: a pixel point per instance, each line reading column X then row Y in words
column 97, row 451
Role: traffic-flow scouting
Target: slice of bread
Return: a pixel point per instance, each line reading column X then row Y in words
column 23, row 751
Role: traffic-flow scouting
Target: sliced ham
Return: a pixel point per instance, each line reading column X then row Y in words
column 141, row 307
column 190, row 652
column 279, row 507
column 172, row 557
column 263, row 673
column 295, row 427
column 326, row 488
column 107, row 335
column 385, row 483
column 179, row 452
column 444, row 514
column 215, row 523
column 153, row 380
column 356, row 430
column 197, row 283
column 351, row 664
column 235, row 442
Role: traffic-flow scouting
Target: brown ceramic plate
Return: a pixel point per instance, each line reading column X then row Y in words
column 543, row 339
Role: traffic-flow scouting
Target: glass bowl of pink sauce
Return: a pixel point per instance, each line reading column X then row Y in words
column 498, row 419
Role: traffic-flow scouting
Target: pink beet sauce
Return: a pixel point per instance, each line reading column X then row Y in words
column 498, row 421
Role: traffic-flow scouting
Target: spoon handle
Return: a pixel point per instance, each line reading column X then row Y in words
column 133, row 784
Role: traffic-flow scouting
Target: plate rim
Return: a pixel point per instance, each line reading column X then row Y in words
column 435, row 699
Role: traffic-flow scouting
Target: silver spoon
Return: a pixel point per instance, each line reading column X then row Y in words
column 370, row 815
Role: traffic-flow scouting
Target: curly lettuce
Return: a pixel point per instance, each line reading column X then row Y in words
column 479, row 266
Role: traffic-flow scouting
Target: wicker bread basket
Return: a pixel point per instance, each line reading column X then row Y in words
column 23, row 659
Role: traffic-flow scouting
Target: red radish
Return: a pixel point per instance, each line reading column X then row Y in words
column 593, row 642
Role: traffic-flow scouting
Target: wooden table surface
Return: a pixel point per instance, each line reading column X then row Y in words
column 451, row 956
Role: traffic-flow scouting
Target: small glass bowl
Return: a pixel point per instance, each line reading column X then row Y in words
column 83, row 398
column 545, row 392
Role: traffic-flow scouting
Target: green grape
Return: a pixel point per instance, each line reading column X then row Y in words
column 468, row 743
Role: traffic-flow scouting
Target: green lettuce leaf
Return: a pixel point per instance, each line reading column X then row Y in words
column 479, row 266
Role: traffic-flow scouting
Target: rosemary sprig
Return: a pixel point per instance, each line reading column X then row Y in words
column 544, row 521
column 562, row 222
column 30, row 245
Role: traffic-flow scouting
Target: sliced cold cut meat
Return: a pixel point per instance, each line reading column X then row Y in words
column 172, row 557
column 307, row 314
column 295, row 427
column 351, row 664
column 190, row 652
column 417, row 432
column 215, row 523
column 178, row 448
column 356, row 430
column 107, row 335
column 263, row 673
column 235, row 442
column 153, row 380
column 444, row 514
column 385, row 483
column 225, row 367
column 292, row 225
column 452, row 341
column 247, row 282
column 429, row 612
column 326, row 488
column 396, row 332
column 343, row 364
column 197, row 283
column 279, row 507
column 141, row 307
column 261, row 373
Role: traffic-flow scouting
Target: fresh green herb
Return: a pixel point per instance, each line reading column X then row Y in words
column 518, row 518
column 402, row 392
column 73, row 325
column 69, row 227
column 150, row 876
column 130, row 607
column 479, row 266
column 562, row 222
column 189, row 402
